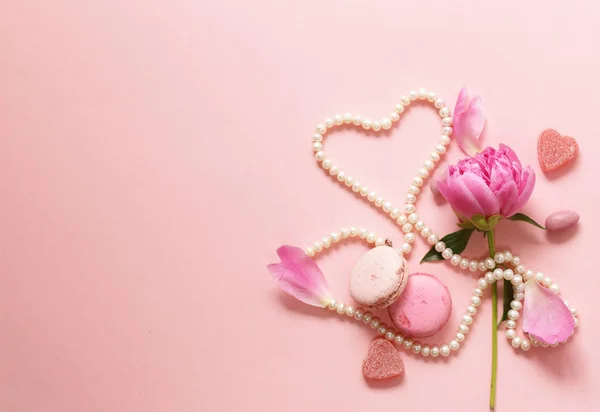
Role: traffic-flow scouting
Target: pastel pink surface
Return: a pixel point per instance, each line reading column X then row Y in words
column 378, row 277
column 423, row 308
column 155, row 153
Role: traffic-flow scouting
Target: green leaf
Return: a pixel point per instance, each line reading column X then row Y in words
column 457, row 241
column 507, row 297
column 521, row 217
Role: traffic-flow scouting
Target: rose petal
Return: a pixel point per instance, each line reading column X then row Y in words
column 468, row 123
column 299, row 275
column 545, row 315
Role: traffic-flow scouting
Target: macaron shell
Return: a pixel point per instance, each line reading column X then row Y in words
column 423, row 308
column 378, row 277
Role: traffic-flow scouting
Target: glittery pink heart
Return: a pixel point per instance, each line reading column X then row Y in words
column 383, row 361
column 555, row 150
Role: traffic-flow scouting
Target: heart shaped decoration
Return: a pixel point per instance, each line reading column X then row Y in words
column 555, row 150
column 383, row 361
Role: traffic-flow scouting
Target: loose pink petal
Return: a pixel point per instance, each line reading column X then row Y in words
column 468, row 123
column 561, row 220
column 545, row 315
column 299, row 275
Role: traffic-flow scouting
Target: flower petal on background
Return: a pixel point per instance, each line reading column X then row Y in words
column 468, row 123
column 545, row 315
column 469, row 195
column 299, row 275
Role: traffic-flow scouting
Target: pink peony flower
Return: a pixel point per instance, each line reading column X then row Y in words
column 493, row 183
column 468, row 123
column 299, row 275
column 545, row 315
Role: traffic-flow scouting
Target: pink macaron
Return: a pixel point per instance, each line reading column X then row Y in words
column 378, row 277
column 423, row 308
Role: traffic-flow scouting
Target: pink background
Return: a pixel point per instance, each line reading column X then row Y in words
column 154, row 154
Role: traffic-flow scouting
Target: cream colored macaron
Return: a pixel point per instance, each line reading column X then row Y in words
column 378, row 277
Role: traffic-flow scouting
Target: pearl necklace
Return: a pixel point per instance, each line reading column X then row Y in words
column 410, row 221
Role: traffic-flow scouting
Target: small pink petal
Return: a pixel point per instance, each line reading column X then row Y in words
column 468, row 123
column 299, row 275
column 440, row 175
column 545, row 315
column 561, row 220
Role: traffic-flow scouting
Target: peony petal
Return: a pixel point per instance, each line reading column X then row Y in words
column 525, row 188
column 469, row 195
column 468, row 123
column 299, row 275
column 545, row 315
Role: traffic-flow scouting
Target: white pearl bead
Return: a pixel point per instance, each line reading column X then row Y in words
column 399, row 108
column 329, row 122
column 375, row 322
column 356, row 187
column 429, row 165
column 444, row 112
column 445, row 350
column 547, row 282
column 387, row 206
column 341, row 176
column 464, row 263
column 371, row 237
column 398, row 339
column 481, row 266
column 350, row 310
column 516, row 305
column 464, row 329
column 517, row 280
column 573, row 311
column 367, row 317
column 332, row 305
column 341, row 308
column 394, row 117
column 395, row 213
column 499, row 257
column 366, row 124
column 435, row 351
column 358, row 314
column 382, row 329
column 513, row 314
column 475, row 301
column 414, row 189
column 409, row 208
column 419, row 225
column 317, row 137
column 432, row 239
column 386, row 123
column 425, row 350
column 405, row 100
column 516, row 342
column 357, row 120
column 349, row 181
column 390, row 335
column 441, row 149
column 473, row 266
column 516, row 260
column 406, row 248
column 364, row 191
column 416, row 348
column 348, row 118
column 431, row 96
column 508, row 256
column 338, row 119
column 467, row 320
column 376, row 126
column 554, row 288
column 460, row 336
column 334, row 170
column 402, row 219
column 440, row 246
column 422, row 93
column 439, row 103
column 520, row 269
column 318, row 246
column 320, row 156
column 482, row 284
column 478, row 292
column 447, row 130
column 310, row 251
column 410, row 198
column 413, row 95
column 471, row 310
column 525, row 345
column 510, row 333
column 408, row 342
column 519, row 289
column 424, row 173
column 335, row 237
column 326, row 241
column 379, row 201
column 498, row 274
column 407, row 227
column 445, row 140
column 435, row 156
column 511, row 324
column 353, row 231
column 489, row 278
column 362, row 233
column 528, row 274
column 489, row 263
column 454, row 345
column 372, row 196
column 576, row 322
column 413, row 218
column 321, row 129
column 508, row 274
column 418, row 181
column 455, row 260
column 379, row 242
column 409, row 237
column 519, row 296
column 425, row 232
column 447, row 253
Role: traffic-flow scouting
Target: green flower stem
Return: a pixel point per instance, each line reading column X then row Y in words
column 492, row 248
